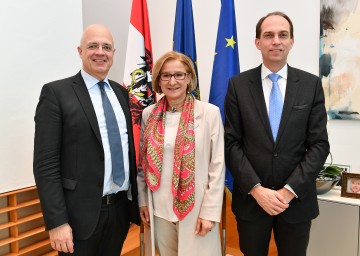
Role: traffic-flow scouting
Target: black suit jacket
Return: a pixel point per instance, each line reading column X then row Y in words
column 69, row 156
column 296, row 157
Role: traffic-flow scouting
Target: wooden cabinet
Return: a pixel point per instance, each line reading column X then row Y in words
column 336, row 230
column 22, row 230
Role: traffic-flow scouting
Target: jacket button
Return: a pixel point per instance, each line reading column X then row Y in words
column 276, row 155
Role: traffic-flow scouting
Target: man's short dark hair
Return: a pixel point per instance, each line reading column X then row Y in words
column 260, row 22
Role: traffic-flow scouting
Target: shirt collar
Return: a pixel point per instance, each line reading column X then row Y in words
column 265, row 72
column 91, row 81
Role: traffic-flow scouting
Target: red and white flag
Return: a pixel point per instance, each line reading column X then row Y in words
column 138, row 66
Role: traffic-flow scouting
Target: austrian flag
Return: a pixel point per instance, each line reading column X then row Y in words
column 138, row 66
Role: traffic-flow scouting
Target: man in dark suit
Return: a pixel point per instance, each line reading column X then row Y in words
column 275, row 166
column 86, row 211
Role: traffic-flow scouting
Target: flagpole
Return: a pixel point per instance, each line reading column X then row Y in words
column 223, row 225
column 142, row 243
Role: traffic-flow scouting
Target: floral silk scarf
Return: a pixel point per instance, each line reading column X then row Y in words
column 183, row 179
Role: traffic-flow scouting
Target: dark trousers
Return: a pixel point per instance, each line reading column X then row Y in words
column 110, row 233
column 290, row 238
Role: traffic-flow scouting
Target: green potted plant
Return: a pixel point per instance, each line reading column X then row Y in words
column 328, row 177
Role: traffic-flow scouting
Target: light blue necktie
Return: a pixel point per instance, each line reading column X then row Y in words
column 117, row 159
column 275, row 105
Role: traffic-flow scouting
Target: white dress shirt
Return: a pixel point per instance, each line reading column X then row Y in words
column 267, row 86
column 91, row 83
column 267, row 83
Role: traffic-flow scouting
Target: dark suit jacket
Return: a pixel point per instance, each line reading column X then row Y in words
column 69, row 156
column 296, row 158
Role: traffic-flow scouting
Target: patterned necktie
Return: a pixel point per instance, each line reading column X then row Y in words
column 275, row 104
column 117, row 160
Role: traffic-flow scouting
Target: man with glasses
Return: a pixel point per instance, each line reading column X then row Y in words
column 84, row 157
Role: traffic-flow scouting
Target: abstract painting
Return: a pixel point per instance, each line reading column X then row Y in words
column 340, row 57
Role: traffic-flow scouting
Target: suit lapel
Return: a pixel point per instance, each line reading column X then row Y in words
column 259, row 100
column 290, row 95
column 197, row 114
column 85, row 101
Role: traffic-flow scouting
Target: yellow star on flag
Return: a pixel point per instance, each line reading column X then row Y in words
column 230, row 42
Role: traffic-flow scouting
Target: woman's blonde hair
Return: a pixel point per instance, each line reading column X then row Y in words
column 173, row 55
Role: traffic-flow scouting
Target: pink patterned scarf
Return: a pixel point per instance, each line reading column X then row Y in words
column 183, row 180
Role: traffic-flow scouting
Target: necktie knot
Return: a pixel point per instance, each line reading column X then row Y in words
column 101, row 84
column 274, row 77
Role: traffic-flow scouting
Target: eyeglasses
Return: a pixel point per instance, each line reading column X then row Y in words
column 105, row 47
column 177, row 76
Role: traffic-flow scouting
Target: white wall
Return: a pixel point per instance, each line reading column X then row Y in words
column 38, row 45
column 344, row 136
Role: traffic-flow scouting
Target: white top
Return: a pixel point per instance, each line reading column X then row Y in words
column 163, row 198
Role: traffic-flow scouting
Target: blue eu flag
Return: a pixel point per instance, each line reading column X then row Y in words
column 184, row 35
column 226, row 63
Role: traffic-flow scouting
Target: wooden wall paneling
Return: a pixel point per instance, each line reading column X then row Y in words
column 22, row 230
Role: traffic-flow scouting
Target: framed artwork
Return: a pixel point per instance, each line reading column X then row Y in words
column 350, row 185
column 340, row 57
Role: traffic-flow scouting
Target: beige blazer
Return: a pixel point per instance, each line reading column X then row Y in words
column 209, row 184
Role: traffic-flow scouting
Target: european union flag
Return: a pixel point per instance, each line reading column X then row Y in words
column 184, row 35
column 226, row 63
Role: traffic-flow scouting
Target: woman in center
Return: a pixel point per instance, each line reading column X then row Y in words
column 181, row 171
